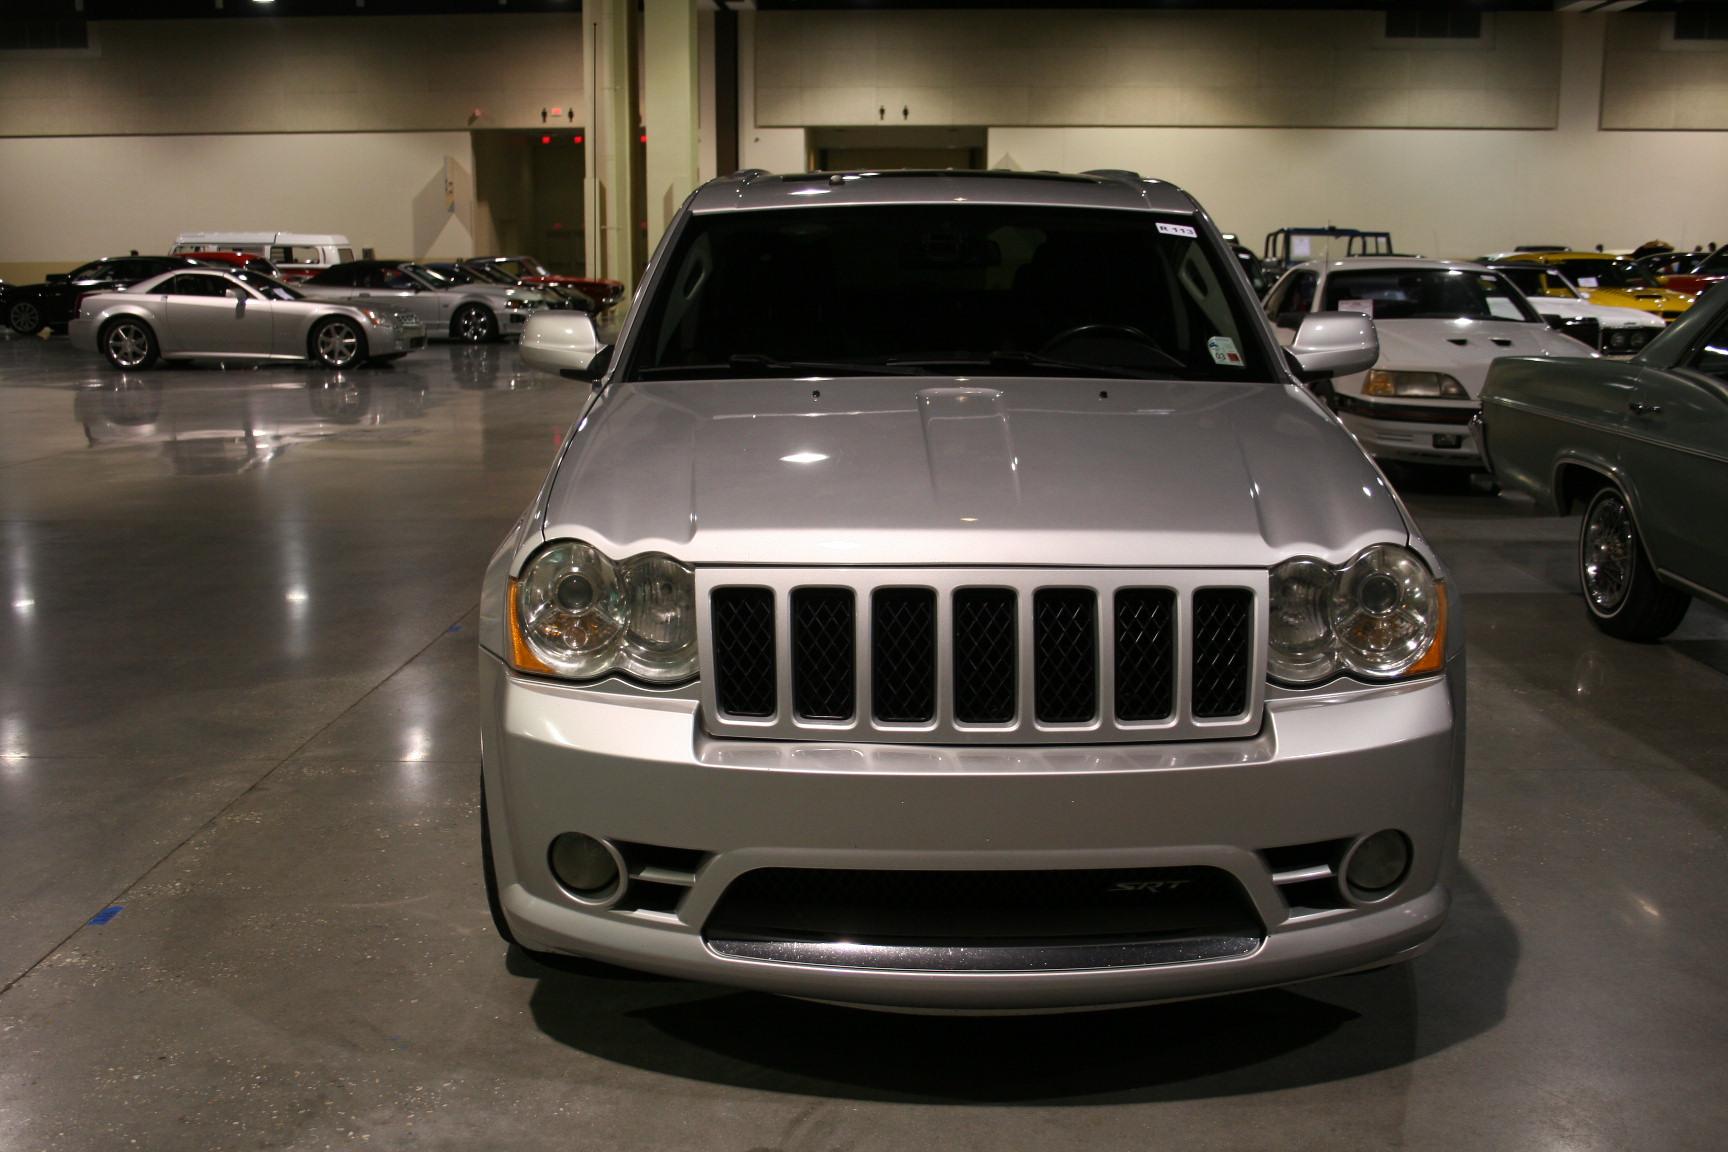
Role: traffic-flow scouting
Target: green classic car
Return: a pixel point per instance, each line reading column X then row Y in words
column 1641, row 447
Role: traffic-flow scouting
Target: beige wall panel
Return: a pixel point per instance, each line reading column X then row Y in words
column 69, row 199
column 1652, row 82
column 380, row 73
column 1095, row 67
column 1444, row 193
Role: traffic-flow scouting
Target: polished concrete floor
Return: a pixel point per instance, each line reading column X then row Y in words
column 237, row 705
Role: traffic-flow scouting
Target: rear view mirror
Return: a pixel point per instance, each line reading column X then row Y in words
column 563, row 342
column 1332, row 344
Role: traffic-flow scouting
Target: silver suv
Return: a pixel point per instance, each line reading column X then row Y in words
column 952, row 599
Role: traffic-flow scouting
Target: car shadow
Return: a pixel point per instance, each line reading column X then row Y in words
column 1263, row 1041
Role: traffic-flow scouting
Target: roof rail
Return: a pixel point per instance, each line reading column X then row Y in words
column 1114, row 174
column 748, row 174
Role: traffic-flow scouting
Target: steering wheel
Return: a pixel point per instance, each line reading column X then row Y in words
column 1125, row 331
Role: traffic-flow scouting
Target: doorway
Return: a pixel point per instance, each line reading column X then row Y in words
column 528, row 195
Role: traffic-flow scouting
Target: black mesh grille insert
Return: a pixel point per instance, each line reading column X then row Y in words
column 1065, row 654
column 823, row 654
column 984, row 655
column 743, row 622
column 961, row 907
column 1145, row 653
column 1223, row 633
column 903, row 655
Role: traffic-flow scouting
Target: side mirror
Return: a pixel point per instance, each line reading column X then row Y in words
column 596, row 368
column 563, row 342
column 1332, row 344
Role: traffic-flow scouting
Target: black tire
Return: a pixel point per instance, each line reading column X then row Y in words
column 1621, row 591
column 129, row 344
column 474, row 324
column 336, row 342
column 24, row 318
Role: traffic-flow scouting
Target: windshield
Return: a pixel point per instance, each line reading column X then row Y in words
column 942, row 288
column 1608, row 273
column 1425, row 294
column 425, row 275
column 1715, row 264
column 490, row 273
column 269, row 287
column 1534, row 280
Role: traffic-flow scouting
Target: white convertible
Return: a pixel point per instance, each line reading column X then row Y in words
column 1441, row 323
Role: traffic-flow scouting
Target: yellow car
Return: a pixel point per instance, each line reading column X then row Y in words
column 1611, row 280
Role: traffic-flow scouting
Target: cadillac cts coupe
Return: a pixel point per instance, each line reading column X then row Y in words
column 951, row 598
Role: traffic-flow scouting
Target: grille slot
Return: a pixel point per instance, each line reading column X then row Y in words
column 983, row 655
column 824, row 658
column 1078, row 918
column 985, row 684
column 743, row 629
column 1065, row 660
column 1145, row 654
column 903, row 655
column 1223, row 633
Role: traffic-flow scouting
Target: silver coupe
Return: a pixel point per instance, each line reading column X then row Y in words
column 474, row 312
column 238, row 315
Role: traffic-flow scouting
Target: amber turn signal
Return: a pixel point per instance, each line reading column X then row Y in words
column 1434, row 659
column 521, row 656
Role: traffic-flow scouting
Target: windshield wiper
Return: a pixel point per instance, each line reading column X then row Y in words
column 755, row 364
column 1022, row 361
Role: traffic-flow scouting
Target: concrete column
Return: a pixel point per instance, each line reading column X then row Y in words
column 671, row 107
column 611, row 124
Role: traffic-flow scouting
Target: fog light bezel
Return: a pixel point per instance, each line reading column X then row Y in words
column 603, row 897
column 1367, row 897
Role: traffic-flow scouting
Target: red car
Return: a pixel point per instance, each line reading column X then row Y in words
column 1689, row 272
column 528, row 271
column 244, row 260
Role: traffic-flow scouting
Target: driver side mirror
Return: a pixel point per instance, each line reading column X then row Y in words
column 1332, row 344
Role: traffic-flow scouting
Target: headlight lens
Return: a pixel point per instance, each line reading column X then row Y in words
column 1382, row 615
column 377, row 318
column 1386, row 382
column 577, row 614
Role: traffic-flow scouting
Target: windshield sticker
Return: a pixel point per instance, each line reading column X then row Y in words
column 1178, row 230
column 1223, row 351
column 1366, row 307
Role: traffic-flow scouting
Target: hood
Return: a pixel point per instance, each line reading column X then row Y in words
column 1611, row 317
column 980, row 471
column 1643, row 299
column 1461, row 348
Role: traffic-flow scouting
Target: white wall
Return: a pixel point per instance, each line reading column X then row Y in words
column 71, row 198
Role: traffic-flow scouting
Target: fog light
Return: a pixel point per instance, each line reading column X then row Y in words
column 1377, row 864
column 587, row 867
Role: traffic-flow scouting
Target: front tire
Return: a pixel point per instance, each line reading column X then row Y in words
column 129, row 344
column 24, row 318
column 1621, row 591
column 474, row 324
column 336, row 343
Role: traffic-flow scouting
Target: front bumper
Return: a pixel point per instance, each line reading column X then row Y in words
column 1417, row 433
column 639, row 769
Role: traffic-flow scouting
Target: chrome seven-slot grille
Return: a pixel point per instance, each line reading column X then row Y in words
column 982, row 656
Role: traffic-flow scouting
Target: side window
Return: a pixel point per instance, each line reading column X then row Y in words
column 1711, row 358
column 344, row 254
column 1294, row 294
column 101, row 270
column 336, row 277
column 191, row 284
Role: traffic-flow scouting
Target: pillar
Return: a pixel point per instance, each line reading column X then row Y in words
column 610, row 87
column 671, row 108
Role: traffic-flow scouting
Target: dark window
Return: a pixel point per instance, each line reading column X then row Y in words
column 1425, row 294
column 139, row 269
column 194, row 285
column 28, row 35
column 1433, row 24
column 1293, row 297
column 1712, row 356
column 100, row 270
column 1701, row 22
column 390, row 278
column 946, row 286
column 337, row 277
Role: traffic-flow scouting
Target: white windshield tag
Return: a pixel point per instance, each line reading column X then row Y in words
column 1223, row 351
column 1586, row 281
column 1366, row 307
column 1178, row 230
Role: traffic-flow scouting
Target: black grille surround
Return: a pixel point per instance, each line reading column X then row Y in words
column 982, row 656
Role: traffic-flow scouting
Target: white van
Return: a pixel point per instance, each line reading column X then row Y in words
column 296, row 254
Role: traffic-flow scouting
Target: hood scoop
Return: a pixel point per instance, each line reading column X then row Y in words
column 969, row 448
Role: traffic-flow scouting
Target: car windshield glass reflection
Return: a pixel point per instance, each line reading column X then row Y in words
column 1020, row 291
column 1609, row 274
column 1539, row 282
column 1425, row 294
column 426, row 276
column 268, row 287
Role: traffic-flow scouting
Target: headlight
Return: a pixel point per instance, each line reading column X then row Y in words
column 377, row 318
column 1385, row 382
column 576, row 614
column 1380, row 616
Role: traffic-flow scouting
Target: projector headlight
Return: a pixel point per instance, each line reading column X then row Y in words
column 576, row 614
column 1381, row 616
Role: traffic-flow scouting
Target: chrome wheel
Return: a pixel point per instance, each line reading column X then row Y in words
column 1606, row 552
column 24, row 318
column 475, row 325
column 128, row 345
column 336, row 344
